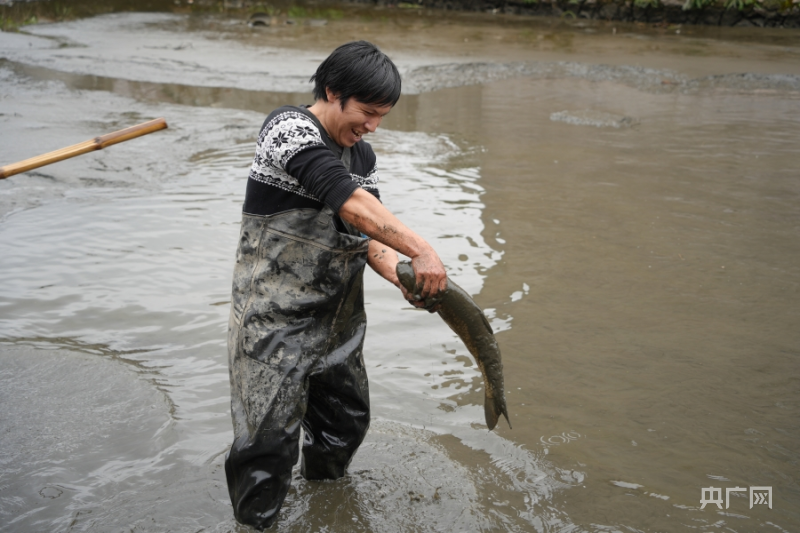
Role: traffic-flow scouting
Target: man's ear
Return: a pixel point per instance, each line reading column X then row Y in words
column 330, row 95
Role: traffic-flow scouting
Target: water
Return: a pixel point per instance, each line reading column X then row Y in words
column 622, row 203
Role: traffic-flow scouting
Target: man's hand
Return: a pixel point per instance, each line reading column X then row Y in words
column 431, row 276
column 419, row 304
column 383, row 260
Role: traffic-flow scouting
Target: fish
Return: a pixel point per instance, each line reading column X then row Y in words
column 467, row 320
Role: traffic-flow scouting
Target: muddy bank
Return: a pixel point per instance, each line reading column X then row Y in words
column 254, row 72
column 738, row 13
column 670, row 12
column 435, row 77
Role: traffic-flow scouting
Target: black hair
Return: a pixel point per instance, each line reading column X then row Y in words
column 358, row 70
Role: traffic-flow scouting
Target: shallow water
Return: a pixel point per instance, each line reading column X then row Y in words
column 631, row 232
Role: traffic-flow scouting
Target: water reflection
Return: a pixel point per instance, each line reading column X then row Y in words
column 173, row 93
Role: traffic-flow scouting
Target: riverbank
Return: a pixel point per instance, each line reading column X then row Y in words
column 738, row 13
column 727, row 13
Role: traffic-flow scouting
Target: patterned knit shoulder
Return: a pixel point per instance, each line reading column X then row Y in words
column 286, row 134
column 290, row 132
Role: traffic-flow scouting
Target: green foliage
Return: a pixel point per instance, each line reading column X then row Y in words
column 265, row 8
column 297, row 12
column 19, row 14
column 332, row 14
column 696, row 4
column 645, row 3
column 8, row 24
column 741, row 5
column 12, row 23
column 62, row 11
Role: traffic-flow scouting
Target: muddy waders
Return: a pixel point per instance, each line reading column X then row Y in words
column 295, row 341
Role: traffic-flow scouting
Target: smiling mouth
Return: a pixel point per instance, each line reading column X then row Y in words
column 357, row 135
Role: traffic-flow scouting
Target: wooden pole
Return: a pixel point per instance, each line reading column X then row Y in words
column 98, row 143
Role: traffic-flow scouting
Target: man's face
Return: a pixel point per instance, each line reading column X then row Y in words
column 347, row 126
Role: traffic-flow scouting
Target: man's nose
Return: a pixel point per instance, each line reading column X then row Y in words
column 372, row 124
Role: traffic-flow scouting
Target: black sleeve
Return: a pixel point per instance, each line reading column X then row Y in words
column 364, row 168
column 323, row 175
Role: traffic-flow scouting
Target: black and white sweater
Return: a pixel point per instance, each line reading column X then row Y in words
column 298, row 166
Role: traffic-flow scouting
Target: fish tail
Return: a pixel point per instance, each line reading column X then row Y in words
column 505, row 414
column 493, row 407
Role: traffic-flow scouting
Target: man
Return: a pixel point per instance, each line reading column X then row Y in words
column 311, row 221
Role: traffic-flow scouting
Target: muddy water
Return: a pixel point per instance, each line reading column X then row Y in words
column 622, row 203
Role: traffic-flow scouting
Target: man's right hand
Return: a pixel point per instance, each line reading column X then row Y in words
column 430, row 273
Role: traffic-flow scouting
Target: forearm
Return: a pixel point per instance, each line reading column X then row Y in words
column 383, row 260
column 366, row 213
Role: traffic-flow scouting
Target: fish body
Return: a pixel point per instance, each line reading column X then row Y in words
column 467, row 320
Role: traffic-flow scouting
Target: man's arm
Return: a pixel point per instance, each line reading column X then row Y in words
column 366, row 213
column 383, row 260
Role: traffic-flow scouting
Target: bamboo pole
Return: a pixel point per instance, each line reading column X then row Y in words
column 98, row 143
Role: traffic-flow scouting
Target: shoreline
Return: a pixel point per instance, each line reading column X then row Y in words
column 667, row 13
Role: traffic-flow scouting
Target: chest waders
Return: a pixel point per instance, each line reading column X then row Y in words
column 295, row 339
